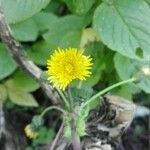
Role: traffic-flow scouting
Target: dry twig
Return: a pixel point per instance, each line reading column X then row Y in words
column 18, row 53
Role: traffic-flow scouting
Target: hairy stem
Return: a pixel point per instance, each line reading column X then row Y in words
column 106, row 90
column 51, row 108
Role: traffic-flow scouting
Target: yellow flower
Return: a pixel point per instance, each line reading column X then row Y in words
column 30, row 133
column 65, row 65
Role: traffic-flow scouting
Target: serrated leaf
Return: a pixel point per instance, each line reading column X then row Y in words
column 24, row 82
column 25, row 31
column 7, row 64
column 20, row 97
column 81, row 94
column 19, row 10
column 3, row 93
column 127, row 68
column 124, row 26
column 79, row 7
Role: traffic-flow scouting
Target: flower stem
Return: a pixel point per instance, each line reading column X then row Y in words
column 106, row 90
column 64, row 99
column 70, row 98
column 50, row 108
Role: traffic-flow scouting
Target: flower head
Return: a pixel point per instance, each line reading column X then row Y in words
column 30, row 133
column 66, row 65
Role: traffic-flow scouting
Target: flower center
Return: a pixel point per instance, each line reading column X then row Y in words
column 69, row 68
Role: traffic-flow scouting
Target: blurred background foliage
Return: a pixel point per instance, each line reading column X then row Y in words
column 115, row 33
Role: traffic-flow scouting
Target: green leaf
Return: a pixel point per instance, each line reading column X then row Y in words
column 124, row 26
column 71, row 39
column 95, row 50
column 44, row 20
column 7, row 64
column 124, row 91
column 3, row 93
column 25, row 31
column 124, row 67
column 145, row 84
column 44, row 136
column 148, row 1
column 79, row 7
column 67, row 131
column 80, row 127
column 40, row 52
column 65, row 32
column 81, row 94
column 127, row 68
column 20, row 97
column 54, row 6
column 24, row 82
column 19, row 10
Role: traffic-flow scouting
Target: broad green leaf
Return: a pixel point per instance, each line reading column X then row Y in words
column 127, row 68
column 40, row 52
column 95, row 50
column 7, row 64
column 124, row 26
column 25, row 31
column 124, row 67
column 24, row 82
column 20, row 97
column 145, row 84
column 3, row 93
column 44, row 20
column 79, row 7
column 19, row 10
column 148, row 1
column 54, row 6
column 71, row 39
column 123, row 91
column 65, row 32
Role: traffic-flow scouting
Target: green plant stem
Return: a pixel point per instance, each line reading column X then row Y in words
column 70, row 98
column 51, row 108
column 64, row 99
column 106, row 90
